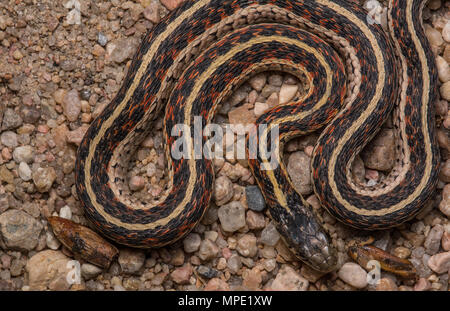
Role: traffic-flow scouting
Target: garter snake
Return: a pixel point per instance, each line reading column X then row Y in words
column 189, row 62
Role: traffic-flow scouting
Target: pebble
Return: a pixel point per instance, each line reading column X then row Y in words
column 51, row 241
column 258, row 81
column 300, row 172
column 89, row 271
column 23, row 154
column 255, row 199
column 260, row 109
column 353, row 274
column 287, row 93
column 152, row 12
column 234, row 263
column 72, row 105
column 223, row 190
column 433, row 240
column 380, row 154
column 247, row 245
column 402, row 252
column 252, row 279
column 445, row 91
column 24, row 171
column 48, row 270
column 270, row 235
column 131, row 260
column 19, row 230
column 182, row 275
column 11, row 120
column 192, row 242
column 77, row 135
column 440, row 263
column 217, row 284
column 102, row 39
column 255, row 221
column 288, row 279
column 422, row 285
column 446, row 241
column 207, row 272
column 445, row 172
column 232, row 216
column 136, row 183
column 444, row 205
column 122, row 49
column 386, row 284
column 43, row 178
column 443, row 69
column 9, row 139
column 65, row 212
column 208, row 250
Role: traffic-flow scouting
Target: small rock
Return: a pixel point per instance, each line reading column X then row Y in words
column 11, row 120
column 208, row 250
column 234, row 263
column 207, row 272
column 445, row 172
column 255, row 221
column 252, row 279
column 19, row 230
column 258, row 81
column 353, row 274
column 380, row 154
column 260, row 109
column 223, row 190
column 247, row 245
column 386, row 284
column 300, row 172
column 182, row 275
column 446, row 241
column 402, row 252
column 122, row 49
column 444, row 205
column 152, row 12
column 232, row 216
column 77, row 135
column 65, row 212
column 136, row 183
column 102, row 39
column 43, row 178
column 23, row 154
column 89, row 271
column 192, row 242
column 440, row 263
column 255, row 199
column 288, row 279
column 242, row 115
column 275, row 80
column 48, row 270
column 52, row 241
column 72, row 105
column 422, row 285
column 131, row 260
column 445, row 91
column 24, row 171
column 287, row 93
column 443, row 69
column 9, row 139
column 270, row 235
column 433, row 240
column 217, row 284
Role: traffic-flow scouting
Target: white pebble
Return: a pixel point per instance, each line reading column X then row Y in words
column 443, row 69
column 65, row 212
column 24, row 171
column 287, row 93
column 353, row 274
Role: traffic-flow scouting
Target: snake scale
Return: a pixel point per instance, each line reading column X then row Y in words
column 358, row 74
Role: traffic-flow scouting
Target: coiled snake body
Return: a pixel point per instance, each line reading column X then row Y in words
column 190, row 62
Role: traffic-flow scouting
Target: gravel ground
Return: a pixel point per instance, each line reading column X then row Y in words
column 56, row 76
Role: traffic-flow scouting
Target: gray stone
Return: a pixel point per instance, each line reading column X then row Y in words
column 255, row 199
column 270, row 235
column 192, row 242
column 23, row 154
column 19, row 230
column 9, row 139
column 232, row 216
column 11, row 120
column 131, row 260
column 433, row 240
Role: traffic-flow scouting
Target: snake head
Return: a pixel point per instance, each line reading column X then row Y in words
column 306, row 238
